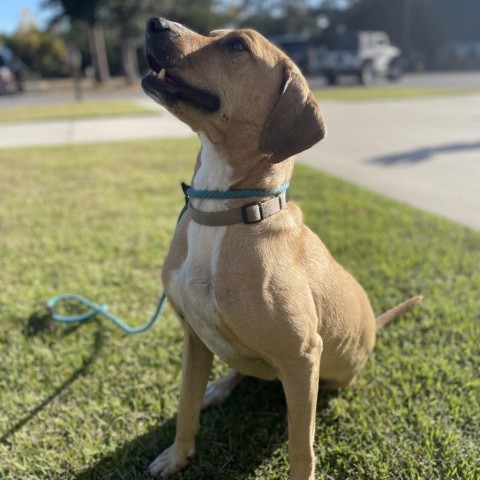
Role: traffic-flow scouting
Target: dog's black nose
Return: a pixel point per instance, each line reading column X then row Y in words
column 157, row 24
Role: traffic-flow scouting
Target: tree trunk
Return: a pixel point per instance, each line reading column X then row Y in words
column 129, row 59
column 98, row 51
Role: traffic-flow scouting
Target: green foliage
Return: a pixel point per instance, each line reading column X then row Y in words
column 276, row 17
column 123, row 22
column 196, row 14
column 421, row 28
column 424, row 29
column 87, row 402
column 86, row 10
column 129, row 16
column 458, row 19
column 432, row 23
column 43, row 51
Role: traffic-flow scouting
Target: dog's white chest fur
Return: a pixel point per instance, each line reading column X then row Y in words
column 192, row 286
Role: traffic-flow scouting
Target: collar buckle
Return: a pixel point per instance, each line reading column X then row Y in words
column 253, row 213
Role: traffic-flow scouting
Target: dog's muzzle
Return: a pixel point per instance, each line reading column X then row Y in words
column 164, row 82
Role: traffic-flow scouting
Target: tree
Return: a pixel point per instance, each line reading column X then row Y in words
column 88, row 11
column 277, row 17
column 421, row 28
column 124, row 14
column 199, row 15
column 128, row 18
column 41, row 51
column 409, row 23
column 459, row 19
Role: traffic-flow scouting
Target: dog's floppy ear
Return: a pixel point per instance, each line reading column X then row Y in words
column 295, row 122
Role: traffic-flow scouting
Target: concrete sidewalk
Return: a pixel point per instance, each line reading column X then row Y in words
column 64, row 132
column 422, row 152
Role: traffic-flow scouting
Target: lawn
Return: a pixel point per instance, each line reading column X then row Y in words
column 73, row 110
column 88, row 402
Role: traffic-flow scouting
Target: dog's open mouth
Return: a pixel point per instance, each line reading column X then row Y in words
column 165, row 86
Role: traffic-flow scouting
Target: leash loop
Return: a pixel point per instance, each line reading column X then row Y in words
column 96, row 309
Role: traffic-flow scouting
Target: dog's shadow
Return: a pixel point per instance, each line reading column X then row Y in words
column 235, row 439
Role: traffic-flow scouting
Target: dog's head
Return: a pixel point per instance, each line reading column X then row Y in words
column 235, row 86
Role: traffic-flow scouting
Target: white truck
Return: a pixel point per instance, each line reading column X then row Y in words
column 364, row 54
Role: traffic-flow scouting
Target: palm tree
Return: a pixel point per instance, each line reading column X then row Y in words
column 88, row 11
column 129, row 17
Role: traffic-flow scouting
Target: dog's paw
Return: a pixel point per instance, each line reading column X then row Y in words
column 217, row 392
column 170, row 461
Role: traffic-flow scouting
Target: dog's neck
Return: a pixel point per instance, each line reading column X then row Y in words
column 212, row 172
column 241, row 170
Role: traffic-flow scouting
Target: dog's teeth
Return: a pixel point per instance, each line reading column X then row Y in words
column 161, row 74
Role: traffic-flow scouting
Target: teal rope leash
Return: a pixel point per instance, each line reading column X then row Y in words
column 96, row 309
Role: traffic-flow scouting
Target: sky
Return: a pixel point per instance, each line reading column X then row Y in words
column 11, row 12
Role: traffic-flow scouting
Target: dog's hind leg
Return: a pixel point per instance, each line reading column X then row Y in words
column 217, row 392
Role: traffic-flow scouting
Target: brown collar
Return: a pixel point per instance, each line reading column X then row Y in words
column 248, row 214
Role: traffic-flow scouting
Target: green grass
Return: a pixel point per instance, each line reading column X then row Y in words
column 73, row 110
column 361, row 93
column 89, row 402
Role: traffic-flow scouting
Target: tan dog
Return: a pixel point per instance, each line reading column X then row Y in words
column 266, row 297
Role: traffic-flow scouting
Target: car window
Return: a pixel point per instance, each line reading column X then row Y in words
column 343, row 42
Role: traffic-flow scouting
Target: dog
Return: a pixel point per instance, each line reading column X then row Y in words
column 260, row 291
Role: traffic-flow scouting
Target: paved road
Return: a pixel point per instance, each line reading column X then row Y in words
column 422, row 152
column 424, row 80
column 419, row 80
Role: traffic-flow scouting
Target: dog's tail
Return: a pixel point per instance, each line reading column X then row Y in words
column 394, row 312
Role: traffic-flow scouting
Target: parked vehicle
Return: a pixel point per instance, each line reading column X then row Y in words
column 298, row 48
column 365, row 54
column 10, row 73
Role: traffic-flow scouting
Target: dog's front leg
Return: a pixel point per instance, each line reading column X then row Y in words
column 300, row 382
column 196, row 367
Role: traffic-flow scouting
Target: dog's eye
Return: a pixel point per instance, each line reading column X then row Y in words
column 238, row 45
